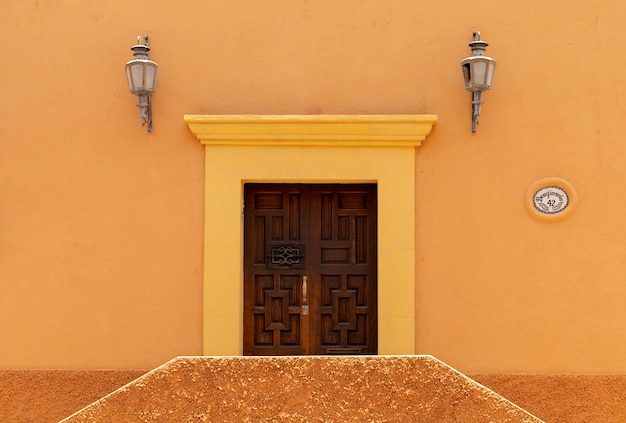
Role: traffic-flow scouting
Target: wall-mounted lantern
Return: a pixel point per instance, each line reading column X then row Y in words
column 478, row 74
column 141, row 74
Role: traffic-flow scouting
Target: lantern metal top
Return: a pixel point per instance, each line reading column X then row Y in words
column 141, row 51
column 478, row 47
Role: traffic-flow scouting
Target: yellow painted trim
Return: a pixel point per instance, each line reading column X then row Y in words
column 344, row 149
column 569, row 189
column 312, row 130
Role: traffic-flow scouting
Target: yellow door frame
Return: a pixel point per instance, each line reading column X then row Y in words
column 309, row 149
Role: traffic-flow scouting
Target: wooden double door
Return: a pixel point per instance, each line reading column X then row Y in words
column 310, row 269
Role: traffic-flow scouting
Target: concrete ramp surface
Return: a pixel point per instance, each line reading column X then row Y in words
column 303, row 389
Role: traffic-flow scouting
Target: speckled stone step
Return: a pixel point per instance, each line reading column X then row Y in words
column 303, row 389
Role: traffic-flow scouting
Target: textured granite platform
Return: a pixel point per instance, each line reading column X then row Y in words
column 303, row 389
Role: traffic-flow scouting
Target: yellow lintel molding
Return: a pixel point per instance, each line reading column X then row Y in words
column 312, row 130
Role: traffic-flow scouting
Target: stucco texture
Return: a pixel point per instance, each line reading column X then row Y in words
column 47, row 396
column 296, row 389
column 563, row 398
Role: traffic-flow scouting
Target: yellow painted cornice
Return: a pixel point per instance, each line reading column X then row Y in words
column 312, row 130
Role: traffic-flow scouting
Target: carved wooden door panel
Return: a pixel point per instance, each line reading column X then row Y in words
column 310, row 269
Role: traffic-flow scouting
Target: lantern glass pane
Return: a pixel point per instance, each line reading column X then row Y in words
column 490, row 70
column 479, row 72
column 130, row 80
column 138, row 76
column 134, row 71
column 466, row 74
column 150, row 76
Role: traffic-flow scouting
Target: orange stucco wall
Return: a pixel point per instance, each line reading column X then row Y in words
column 101, row 223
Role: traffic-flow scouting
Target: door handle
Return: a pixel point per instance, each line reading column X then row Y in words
column 304, row 309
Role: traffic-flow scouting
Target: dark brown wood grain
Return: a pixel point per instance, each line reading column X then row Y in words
column 326, row 233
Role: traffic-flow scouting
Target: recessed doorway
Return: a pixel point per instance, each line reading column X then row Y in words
column 320, row 149
column 310, row 269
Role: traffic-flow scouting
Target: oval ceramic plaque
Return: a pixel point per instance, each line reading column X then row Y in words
column 551, row 199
